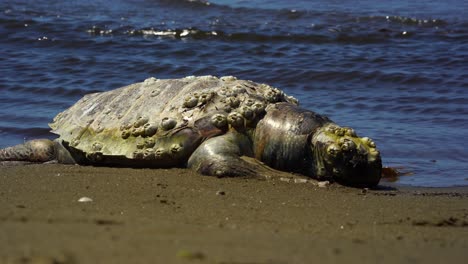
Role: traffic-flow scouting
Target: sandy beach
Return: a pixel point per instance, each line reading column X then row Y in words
column 178, row 216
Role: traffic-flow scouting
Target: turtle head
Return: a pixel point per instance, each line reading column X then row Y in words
column 344, row 157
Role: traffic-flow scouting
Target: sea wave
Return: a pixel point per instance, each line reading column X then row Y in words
column 237, row 24
column 330, row 35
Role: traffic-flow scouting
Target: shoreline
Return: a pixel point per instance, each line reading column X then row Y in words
column 177, row 216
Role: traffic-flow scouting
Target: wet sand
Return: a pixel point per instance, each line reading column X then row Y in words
column 177, row 216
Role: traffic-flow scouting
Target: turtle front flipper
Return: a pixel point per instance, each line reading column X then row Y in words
column 220, row 156
column 230, row 155
column 38, row 150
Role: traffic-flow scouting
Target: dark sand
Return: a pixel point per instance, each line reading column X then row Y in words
column 177, row 216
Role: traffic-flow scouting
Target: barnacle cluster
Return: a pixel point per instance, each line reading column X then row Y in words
column 347, row 141
column 141, row 127
column 198, row 99
column 239, row 104
column 143, row 132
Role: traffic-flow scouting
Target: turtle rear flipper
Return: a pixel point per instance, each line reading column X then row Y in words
column 38, row 150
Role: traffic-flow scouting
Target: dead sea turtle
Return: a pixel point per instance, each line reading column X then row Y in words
column 216, row 126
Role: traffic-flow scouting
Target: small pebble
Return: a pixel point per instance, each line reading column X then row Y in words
column 85, row 200
column 220, row 193
column 285, row 179
column 323, row 184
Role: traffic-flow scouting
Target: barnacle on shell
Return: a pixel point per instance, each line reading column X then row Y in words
column 141, row 121
column 138, row 154
column 149, row 154
column 273, row 95
column 176, row 148
column 258, row 108
column 249, row 102
column 205, row 97
column 235, row 119
column 150, row 129
column 223, row 91
column 350, row 132
column 150, row 81
column 368, row 142
column 339, row 131
column 190, row 101
column 97, row 146
column 125, row 126
column 247, row 112
column 331, row 129
column 159, row 153
column 228, row 78
column 138, row 131
column 232, row 101
column 238, row 89
column 168, row 123
column 126, row 134
column 219, row 120
column 149, row 142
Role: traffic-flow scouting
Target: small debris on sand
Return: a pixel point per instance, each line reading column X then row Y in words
column 284, row 179
column 85, row 200
column 301, row 181
column 323, row 184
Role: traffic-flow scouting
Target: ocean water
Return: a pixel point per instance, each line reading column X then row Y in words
column 396, row 71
